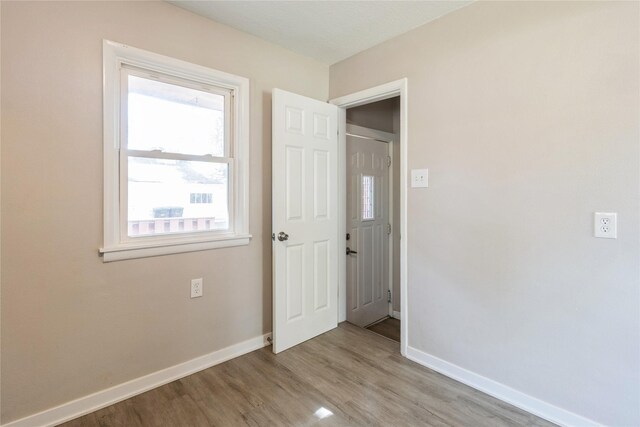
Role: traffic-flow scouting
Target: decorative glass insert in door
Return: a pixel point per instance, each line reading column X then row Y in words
column 367, row 192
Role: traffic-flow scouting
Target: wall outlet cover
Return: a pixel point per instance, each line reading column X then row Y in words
column 605, row 225
column 196, row 288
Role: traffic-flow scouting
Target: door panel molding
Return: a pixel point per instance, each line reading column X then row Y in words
column 370, row 199
column 305, row 218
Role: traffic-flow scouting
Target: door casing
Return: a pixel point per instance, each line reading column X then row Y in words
column 367, row 96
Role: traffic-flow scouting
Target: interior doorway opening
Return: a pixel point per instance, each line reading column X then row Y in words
column 397, row 88
column 372, row 184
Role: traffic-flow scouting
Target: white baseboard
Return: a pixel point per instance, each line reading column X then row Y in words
column 396, row 315
column 500, row 391
column 93, row 402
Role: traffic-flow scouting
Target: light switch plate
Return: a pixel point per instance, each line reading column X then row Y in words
column 419, row 178
column 605, row 225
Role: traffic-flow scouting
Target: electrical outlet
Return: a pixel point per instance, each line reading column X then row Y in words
column 419, row 178
column 196, row 288
column 605, row 225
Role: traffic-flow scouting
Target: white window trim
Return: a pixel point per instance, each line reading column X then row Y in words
column 114, row 249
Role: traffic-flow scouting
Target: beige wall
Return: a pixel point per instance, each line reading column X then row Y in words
column 377, row 115
column 527, row 116
column 72, row 325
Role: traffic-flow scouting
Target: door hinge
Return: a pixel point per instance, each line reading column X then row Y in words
column 388, row 161
column 388, row 295
column 388, row 228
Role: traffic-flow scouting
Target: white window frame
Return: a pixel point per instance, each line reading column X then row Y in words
column 117, row 244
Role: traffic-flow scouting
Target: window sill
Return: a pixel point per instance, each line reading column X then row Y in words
column 120, row 253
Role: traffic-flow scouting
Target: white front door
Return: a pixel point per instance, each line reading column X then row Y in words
column 368, row 228
column 305, row 218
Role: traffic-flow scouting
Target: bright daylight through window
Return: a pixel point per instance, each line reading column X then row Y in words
column 175, row 156
column 175, row 147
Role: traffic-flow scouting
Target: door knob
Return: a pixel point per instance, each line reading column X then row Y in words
column 282, row 236
column 349, row 251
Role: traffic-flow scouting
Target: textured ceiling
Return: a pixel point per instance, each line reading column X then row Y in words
column 328, row 31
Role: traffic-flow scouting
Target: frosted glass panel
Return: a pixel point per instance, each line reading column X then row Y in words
column 368, row 183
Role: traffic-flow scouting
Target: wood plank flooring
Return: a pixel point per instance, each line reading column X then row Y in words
column 389, row 328
column 357, row 375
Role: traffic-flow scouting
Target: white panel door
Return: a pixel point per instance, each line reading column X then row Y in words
column 368, row 228
column 305, row 218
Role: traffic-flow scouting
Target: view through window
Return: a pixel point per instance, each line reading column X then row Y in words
column 178, row 164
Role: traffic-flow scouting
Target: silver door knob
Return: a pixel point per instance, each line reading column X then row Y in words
column 282, row 236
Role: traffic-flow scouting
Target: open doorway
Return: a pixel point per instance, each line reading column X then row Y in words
column 372, row 209
column 394, row 89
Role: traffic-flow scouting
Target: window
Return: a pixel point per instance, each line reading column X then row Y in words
column 175, row 153
column 201, row 198
column 367, row 197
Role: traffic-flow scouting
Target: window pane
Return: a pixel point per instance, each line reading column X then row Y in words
column 174, row 119
column 367, row 197
column 160, row 194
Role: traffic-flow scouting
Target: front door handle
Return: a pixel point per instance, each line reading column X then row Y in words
column 282, row 236
column 349, row 251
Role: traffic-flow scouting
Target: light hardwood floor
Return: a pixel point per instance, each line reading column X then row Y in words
column 357, row 375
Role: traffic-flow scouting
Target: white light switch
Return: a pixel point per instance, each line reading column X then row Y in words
column 419, row 178
column 605, row 225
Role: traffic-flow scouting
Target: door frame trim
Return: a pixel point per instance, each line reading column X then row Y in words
column 367, row 96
